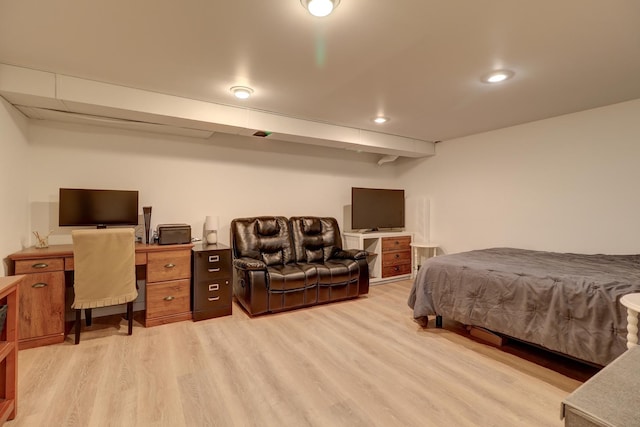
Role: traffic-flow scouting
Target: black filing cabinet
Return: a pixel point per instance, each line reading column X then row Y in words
column 211, row 288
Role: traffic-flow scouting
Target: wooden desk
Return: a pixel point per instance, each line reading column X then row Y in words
column 166, row 269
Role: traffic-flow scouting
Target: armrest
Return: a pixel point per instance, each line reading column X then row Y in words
column 249, row 264
column 350, row 254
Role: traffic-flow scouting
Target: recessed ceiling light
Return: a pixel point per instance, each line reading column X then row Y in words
column 498, row 76
column 380, row 120
column 241, row 92
column 320, row 8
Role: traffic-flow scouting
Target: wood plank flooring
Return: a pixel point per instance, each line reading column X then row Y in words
column 363, row 362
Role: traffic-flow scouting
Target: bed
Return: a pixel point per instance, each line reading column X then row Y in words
column 566, row 303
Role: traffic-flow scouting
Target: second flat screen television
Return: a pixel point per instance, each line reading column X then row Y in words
column 376, row 208
column 83, row 207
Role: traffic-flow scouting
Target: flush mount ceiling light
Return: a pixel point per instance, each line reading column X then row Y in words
column 380, row 120
column 320, row 8
column 498, row 76
column 241, row 92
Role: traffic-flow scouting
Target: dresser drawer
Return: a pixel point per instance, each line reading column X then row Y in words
column 395, row 258
column 168, row 298
column 209, row 265
column 168, row 265
column 396, row 243
column 396, row 270
column 39, row 266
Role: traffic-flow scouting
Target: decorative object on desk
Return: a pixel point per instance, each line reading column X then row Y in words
column 42, row 241
column 174, row 234
column 147, row 223
column 211, row 229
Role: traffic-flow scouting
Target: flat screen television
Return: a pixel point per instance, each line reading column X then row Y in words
column 100, row 208
column 376, row 208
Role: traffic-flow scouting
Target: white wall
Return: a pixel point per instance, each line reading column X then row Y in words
column 563, row 184
column 185, row 179
column 569, row 184
column 14, row 176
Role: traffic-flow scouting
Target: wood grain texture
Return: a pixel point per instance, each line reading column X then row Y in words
column 361, row 362
column 42, row 305
column 168, row 265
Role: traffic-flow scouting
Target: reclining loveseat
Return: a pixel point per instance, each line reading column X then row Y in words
column 282, row 264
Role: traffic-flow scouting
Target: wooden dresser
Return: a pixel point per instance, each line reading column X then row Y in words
column 389, row 253
column 396, row 256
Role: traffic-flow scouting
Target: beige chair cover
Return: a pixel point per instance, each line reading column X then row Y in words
column 105, row 272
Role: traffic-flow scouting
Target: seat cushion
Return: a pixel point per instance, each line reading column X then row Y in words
column 292, row 276
column 337, row 272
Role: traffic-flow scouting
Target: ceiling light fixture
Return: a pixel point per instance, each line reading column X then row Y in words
column 241, row 92
column 498, row 76
column 320, row 8
column 380, row 120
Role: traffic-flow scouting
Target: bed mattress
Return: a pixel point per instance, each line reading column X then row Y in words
column 568, row 303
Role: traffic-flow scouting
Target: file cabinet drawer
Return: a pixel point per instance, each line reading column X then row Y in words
column 169, row 265
column 209, row 265
column 39, row 266
column 167, row 298
column 41, row 306
column 212, row 295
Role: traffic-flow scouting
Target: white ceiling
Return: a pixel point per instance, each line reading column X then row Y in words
column 417, row 61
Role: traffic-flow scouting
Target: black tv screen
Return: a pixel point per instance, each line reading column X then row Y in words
column 376, row 208
column 82, row 207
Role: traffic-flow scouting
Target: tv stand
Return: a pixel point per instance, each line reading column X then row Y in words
column 389, row 253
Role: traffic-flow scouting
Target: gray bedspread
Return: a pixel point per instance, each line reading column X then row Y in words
column 568, row 303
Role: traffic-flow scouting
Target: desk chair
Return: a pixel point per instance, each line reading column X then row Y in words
column 105, row 272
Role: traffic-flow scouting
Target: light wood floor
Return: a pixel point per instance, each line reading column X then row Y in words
column 357, row 363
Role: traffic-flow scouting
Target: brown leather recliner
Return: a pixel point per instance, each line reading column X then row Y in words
column 282, row 264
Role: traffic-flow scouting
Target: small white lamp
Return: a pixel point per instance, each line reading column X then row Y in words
column 211, row 229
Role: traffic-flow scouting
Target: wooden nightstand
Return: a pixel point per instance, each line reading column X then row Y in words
column 211, row 289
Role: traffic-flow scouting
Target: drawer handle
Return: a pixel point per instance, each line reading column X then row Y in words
column 170, row 265
column 214, row 258
column 396, row 268
column 214, row 287
column 214, row 270
column 397, row 243
column 40, row 265
column 397, row 255
column 39, row 285
column 169, row 298
column 213, row 298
